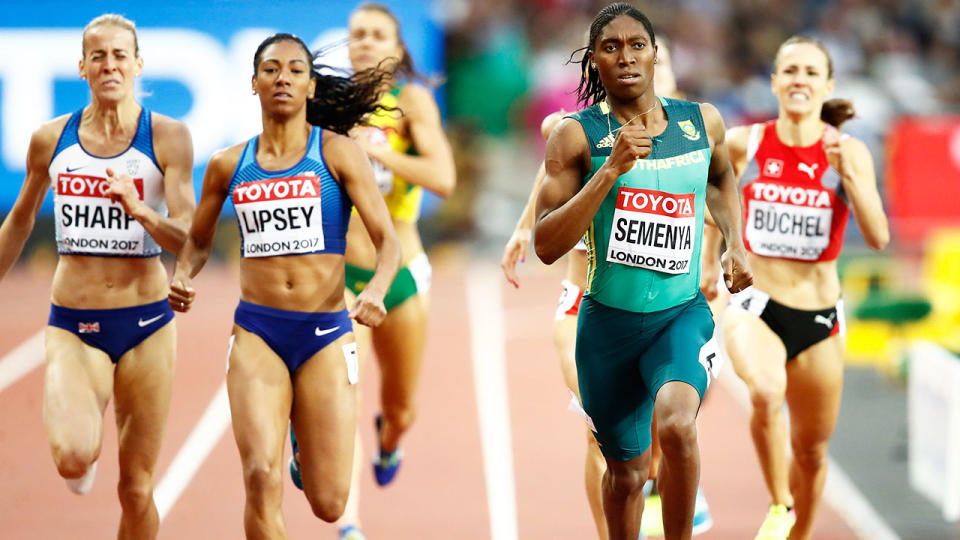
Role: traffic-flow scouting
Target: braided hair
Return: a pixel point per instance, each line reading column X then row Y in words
column 338, row 102
column 591, row 90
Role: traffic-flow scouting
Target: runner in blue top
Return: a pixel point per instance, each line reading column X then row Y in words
column 122, row 190
column 634, row 172
column 293, row 357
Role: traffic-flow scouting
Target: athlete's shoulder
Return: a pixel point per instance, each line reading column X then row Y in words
column 43, row 141
column 414, row 97
column 164, row 126
column 224, row 161
column 550, row 121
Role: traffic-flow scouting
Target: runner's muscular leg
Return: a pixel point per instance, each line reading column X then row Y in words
column 325, row 423
column 77, row 385
column 676, row 409
column 362, row 334
column 399, row 343
column 261, row 396
column 814, row 388
column 565, row 339
column 759, row 357
column 142, row 384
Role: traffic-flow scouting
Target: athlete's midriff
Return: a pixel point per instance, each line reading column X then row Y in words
column 89, row 282
column 361, row 251
column 797, row 284
column 310, row 283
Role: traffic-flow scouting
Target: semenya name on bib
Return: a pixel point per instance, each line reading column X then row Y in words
column 643, row 244
column 794, row 203
column 87, row 221
column 296, row 211
column 653, row 229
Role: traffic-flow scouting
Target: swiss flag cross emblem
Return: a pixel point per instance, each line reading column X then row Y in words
column 773, row 168
column 89, row 328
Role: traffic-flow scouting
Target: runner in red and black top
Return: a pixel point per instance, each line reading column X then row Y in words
column 800, row 179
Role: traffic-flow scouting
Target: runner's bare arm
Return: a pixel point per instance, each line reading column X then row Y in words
column 564, row 209
column 432, row 167
column 723, row 202
column 351, row 168
column 19, row 222
column 199, row 241
column 851, row 158
column 174, row 150
column 516, row 249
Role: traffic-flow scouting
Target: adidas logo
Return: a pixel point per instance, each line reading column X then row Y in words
column 606, row 142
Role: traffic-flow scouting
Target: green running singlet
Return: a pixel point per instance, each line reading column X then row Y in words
column 643, row 245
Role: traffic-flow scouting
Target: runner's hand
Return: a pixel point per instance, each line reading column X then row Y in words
column 833, row 148
column 633, row 142
column 368, row 309
column 514, row 252
column 737, row 275
column 181, row 294
column 121, row 189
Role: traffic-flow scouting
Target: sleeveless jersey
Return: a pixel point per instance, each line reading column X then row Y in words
column 643, row 245
column 402, row 198
column 295, row 211
column 794, row 206
column 87, row 221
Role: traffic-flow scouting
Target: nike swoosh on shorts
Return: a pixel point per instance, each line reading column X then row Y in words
column 320, row 332
column 141, row 323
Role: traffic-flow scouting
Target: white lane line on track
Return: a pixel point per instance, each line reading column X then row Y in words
column 22, row 360
column 839, row 492
column 201, row 441
column 488, row 352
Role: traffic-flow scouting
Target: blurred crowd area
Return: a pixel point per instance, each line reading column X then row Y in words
column 508, row 66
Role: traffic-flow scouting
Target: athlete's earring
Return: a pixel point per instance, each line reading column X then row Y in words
column 656, row 60
column 593, row 66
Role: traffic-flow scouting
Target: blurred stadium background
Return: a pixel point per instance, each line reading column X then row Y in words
column 503, row 65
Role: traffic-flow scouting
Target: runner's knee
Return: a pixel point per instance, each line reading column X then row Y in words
column 767, row 399
column 135, row 492
column 625, row 480
column 73, row 462
column 261, row 478
column 678, row 433
column 327, row 504
column 810, row 456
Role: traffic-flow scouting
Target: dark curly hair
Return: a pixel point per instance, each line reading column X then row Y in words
column 339, row 102
column 591, row 91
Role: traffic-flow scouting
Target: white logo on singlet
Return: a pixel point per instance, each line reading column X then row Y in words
column 809, row 169
column 606, row 142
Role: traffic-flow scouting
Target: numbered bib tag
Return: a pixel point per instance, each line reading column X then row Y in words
column 788, row 221
column 653, row 230
column 280, row 216
column 383, row 175
column 90, row 222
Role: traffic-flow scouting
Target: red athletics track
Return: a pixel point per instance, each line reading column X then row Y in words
column 440, row 492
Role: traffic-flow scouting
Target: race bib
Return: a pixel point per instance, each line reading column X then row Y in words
column 90, row 222
column 653, row 230
column 383, row 175
column 280, row 216
column 788, row 221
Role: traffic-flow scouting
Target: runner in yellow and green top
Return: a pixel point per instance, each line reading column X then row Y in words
column 635, row 172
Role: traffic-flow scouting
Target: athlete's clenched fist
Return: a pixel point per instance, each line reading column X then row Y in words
column 633, row 142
